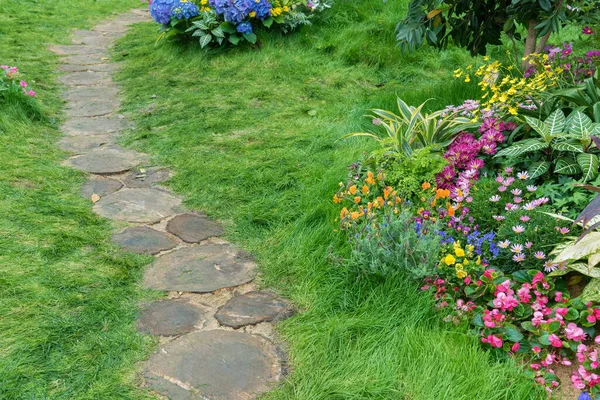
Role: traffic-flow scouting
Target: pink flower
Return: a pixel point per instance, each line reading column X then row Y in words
column 495, row 198
column 536, row 349
column 531, row 188
column 586, row 30
column 502, row 189
column 516, row 248
column 562, row 311
column 564, row 231
column 467, row 280
column 516, row 192
column 518, row 229
column 493, row 341
column 23, row 84
column 518, row 199
column 539, row 255
column 524, row 294
column 31, row 93
column 504, row 244
column 499, row 179
column 511, row 207
column 505, row 302
column 519, row 257
column 525, row 218
column 515, row 347
column 523, row 175
column 508, row 170
column 575, row 333
column 535, row 367
column 528, row 245
column 555, row 340
column 498, row 217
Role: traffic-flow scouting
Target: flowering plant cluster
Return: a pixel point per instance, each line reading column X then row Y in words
column 218, row 22
column 11, row 82
column 575, row 68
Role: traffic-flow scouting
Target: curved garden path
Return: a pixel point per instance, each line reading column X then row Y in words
column 216, row 340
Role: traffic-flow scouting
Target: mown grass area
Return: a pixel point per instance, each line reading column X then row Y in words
column 67, row 297
column 253, row 135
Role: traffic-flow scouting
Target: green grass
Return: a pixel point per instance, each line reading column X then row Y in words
column 236, row 128
column 67, row 297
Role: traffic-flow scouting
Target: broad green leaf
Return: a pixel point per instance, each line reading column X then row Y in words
column 589, row 164
column 251, row 37
column 572, row 314
column 234, row 39
column 566, row 166
column 201, row 25
column 514, row 335
column 587, row 246
column 268, row 22
column 593, row 260
column 228, row 27
column 580, row 124
column 538, row 169
column 524, row 146
column 583, row 269
column 592, row 291
column 539, row 127
column 568, row 146
column 556, row 122
column 218, row 32
column 205, row 40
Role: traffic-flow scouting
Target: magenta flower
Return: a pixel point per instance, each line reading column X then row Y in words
column 531, row 188
column 518, row 199
column 549, row 266
column 516, row 192
column 508, row 170
column 529, row 206
column 23, row 84
column 511, row 207
column 555, row 340
column 528, row 245
column 586, row 30
column 31, row 93
column 525, row 218
column 502, row 189
column 518, row 229
column 564, row 231
column 499, row 179
column 498, row 217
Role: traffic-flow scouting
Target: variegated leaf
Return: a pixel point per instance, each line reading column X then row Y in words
column 591, row 292
column 583, row 269
column 566, row 166
column 538, row 169
column 568, row 146
column 587, row 246
column 594, row 260
column 539, row 127
column 580, row 124
column 556, row 122
column 589, row 164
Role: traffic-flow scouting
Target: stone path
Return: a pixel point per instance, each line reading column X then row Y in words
column 214, row 327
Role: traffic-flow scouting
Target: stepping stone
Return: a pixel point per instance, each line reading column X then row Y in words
column 84, row 78
column 111, row 159
column 78, row 49
column 144, row 240
column 84, row 60
column 141, row 178
column 99, row 40
column 200, row 269
column 83, row 68
column 138, row 205
column 83, row 144
column 113, row 26
column 91, row 126
column 100, row 186
column 85, row 94
column 193, row 228
column 169, row 318
column 92, row 108
column 88, row 33
column 253, row 308
column 215, row 365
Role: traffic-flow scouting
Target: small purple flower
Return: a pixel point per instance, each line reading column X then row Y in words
column 586, row 30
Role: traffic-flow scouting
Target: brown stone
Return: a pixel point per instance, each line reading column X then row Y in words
column 253, row 308
column 147, row 177
column 144, row 240
column 193, row 228
column 83, row 144
column 92, row 126
column 169, row 318
column 138, row 205
column 100, row 186
column 110, row 159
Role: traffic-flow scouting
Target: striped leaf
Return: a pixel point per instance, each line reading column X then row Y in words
column 556, row 122
column 524, row 146
column 566, row 166
column 580, row 124
column 589, row 165
column 568, row 146
column 539, row 127
column 538, row 169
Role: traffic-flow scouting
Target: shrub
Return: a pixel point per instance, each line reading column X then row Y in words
column 12, row 84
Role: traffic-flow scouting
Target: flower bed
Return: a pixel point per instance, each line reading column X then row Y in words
column 11, row 82
column 222, row 22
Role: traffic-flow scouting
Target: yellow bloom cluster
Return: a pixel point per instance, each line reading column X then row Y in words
column 463, row 260
column 505, row 90
column 204, row 5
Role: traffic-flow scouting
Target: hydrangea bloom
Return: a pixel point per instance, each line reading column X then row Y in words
column 262, row 8
column 185, row 9
column 244, row 27
column 161, row 10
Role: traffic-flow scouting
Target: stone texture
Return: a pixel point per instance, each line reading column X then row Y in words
column 84, row 60
column 109, row 159
column 215, row 365
column 91, row 93
column 138, row 205
column 94, row 40
column 83, row 144
column 140, row 178
column 100, row 186
column 169, row 318
column 253, row 308
column 92, row 126
column 114, row 26
column 144, row 240
column 83, row 68
column 200, row 269
column 86, row 78
column 193, row 228
column 77, row 49
column 92, row 108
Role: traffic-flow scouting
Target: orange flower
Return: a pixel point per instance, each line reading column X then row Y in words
column 387, row 191
column 352, row 189
column 336, row 199
column 365, row 190
column 398, row 199
column 380, row 201
column 442, row 193
column 355, row 215
column 380, row 176
column 357, row 199
column 370, row 180
column 451, row 211
column 344, row 213
column 426, row 185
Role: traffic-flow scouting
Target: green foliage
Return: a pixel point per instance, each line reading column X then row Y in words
column 584, row 97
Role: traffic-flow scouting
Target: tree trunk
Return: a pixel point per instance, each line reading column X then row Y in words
column 530, row 43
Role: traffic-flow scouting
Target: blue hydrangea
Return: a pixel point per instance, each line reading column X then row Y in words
column 262, row 8
column 185, row 9
column 244, row 27
column 234, row 11
column 161, row 10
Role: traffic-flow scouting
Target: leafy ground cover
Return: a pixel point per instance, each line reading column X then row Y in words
column 67, row 297
column 254, row 138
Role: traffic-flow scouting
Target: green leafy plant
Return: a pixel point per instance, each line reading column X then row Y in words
column 585, row 97
column 569, row 144
column 413, row 129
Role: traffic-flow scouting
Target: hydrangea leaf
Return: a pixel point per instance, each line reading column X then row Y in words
column 538, row 169
column 589, row 164
column 587, row 246
column 268, row 22
column 566, row 166
column 556, row 122
column 592, row 291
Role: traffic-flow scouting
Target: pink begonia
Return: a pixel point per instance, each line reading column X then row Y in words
column 536, row 349
column 493, row 341
column 515, row 347
column 555, row 340
column 23, row 84
column 538, row 319
column 535, row 367
column 505, row 302
column 524, row 294
column 575, row 333
column 562, row 311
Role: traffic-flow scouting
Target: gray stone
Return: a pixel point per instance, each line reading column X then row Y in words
column 83, row 144
column 200, row 269
column 91, row 93
column 215, row 365
column 83, row 68
column 92, row 108
column 193, row 228
column 78, row 49
column 92, row 126
column 110, row 159
column 100, row 186
column 94, row 40
column 86, row 78
column 169, row 318
column 140, row 178
column 84, row 60
column 87, row 33
column 144, row 240
column 113, row 26
column 253, row 308
column 138, row 205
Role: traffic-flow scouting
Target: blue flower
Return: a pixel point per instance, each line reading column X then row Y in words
column 161, row 10
column 185, row 9
column 262, row 8
column 234, row 11
column 584, row 396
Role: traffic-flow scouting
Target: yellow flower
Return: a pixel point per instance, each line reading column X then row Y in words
column 513, row 110
column 449, row 259
column 459, row 252
column 357, row 199
column 365, row 189
column 336, row 199
column 355, row 215
column 352, row 189
column 344, row 213
column 470, row 247
column 252, row 14
column 467, row 78
column 370, row 179
column 461, row 274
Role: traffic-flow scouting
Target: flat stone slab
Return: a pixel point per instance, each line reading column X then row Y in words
column 200, row 269
column 92, row 126
column 100, row 186
column 140, row 178
column 114, row 26
column 193, row 228
column 91, row 93
column 110, row 159
column 169, row 318
column 86, row 78
column 138, row 205
column 144, row 240
column 98, row 40
column 253, row 308
column 92, row 108
column 78, row 49
column 83, row 68
column 84, row 60
column 215, row 365
column 83, row 144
